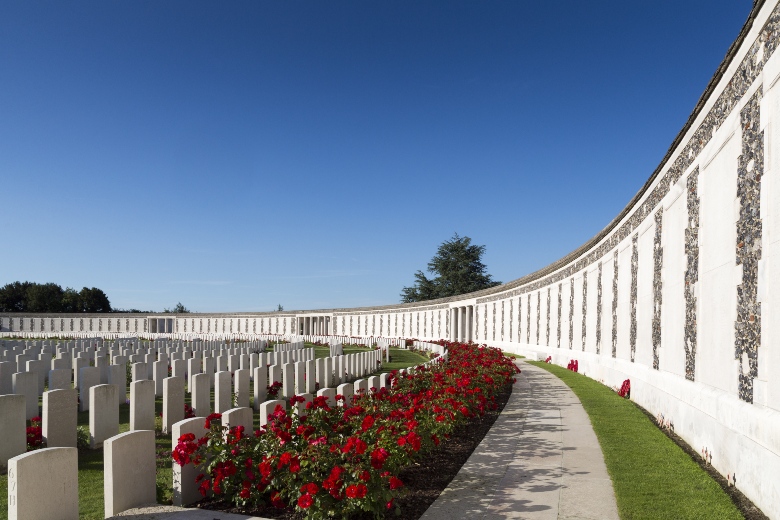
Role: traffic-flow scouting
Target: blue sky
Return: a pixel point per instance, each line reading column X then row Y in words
column 235, row 156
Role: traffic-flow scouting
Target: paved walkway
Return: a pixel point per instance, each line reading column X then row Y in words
column 540, row 460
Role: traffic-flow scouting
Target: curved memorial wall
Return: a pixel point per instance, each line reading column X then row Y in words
column 680, row 293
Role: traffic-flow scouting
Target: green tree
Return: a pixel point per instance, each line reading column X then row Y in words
column 44, row 297
column 458, row 268
column 71, row 300
column 178, row 309
column 13, row 297
column 279, row 308
column 94, row 300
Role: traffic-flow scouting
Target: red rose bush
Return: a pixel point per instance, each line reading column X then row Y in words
column 336, row 461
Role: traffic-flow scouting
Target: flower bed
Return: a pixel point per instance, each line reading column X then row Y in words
column 345, row 460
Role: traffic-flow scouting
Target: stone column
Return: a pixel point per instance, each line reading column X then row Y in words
column 469, row 323
column 454, row 324
column 462, row 324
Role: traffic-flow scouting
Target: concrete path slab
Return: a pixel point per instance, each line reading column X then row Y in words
column 540, row 460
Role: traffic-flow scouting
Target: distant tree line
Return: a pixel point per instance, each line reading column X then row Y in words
column 50, row 297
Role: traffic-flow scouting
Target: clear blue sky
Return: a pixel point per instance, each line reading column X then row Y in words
column 234, row 156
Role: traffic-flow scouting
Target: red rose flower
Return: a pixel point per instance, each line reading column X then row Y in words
column 305, row 501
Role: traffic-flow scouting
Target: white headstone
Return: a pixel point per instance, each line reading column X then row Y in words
column 129, row 471
column 223, row 399
column 159, row 372
column 241, row 416
column 260, row 386
column 268, row 407
column 201, row 395
column 12, row 427
column 329, row 394
column 117, row 376
column 142, row 405
column 103, row 414
column 26, row 384
column 43, row 484
column 7, row 370
column 345, row 390
column 241, row 383
column 288, row 380
column 185, row 489
column 173, row 402
column 60, row 418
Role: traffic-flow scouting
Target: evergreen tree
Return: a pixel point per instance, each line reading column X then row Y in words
column 178, row 309
column 458, row 268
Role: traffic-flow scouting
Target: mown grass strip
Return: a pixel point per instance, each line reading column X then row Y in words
column 651, row 475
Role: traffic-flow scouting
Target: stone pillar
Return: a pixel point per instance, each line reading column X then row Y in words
column 454, row 324
column 470, row 323
column 462, row 324
column 44, row 484
column 129, row 472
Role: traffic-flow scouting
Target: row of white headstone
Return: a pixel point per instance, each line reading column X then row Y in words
column 102, row 399
column 43, row 484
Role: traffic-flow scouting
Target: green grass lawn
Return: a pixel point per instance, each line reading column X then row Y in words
column 651, row 475
column 91, row 462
